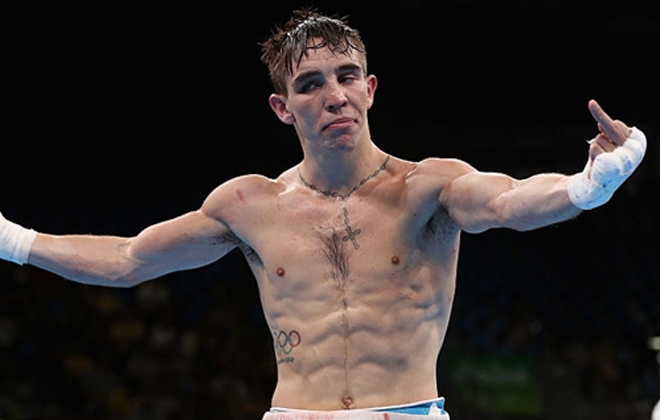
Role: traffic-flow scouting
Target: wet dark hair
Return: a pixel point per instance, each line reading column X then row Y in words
column 290, row 43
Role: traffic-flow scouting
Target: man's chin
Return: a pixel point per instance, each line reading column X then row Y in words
column 342, row 142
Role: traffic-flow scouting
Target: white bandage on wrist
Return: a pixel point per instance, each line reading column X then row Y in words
column 15, row 241
column 608, row 172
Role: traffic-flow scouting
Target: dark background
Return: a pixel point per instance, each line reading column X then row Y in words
column 120, row 116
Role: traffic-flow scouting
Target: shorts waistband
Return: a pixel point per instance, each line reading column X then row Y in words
column 351, row 415
column 422, row 410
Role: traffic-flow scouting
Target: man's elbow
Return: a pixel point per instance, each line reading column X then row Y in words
column 107, row 279
column 126, row 282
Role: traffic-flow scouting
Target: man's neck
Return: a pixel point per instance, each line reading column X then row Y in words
column 340, row 171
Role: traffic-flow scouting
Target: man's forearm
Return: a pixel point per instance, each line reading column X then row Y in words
column 97, row 260
column 535, row 202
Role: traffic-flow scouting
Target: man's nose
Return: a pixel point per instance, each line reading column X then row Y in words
column 336, row 98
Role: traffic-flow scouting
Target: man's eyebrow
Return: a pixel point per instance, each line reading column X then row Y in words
column 349, row 68
column 305, row 76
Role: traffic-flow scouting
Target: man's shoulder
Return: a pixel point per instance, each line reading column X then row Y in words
column 439, row 171
column 424, row 182
column 445, row 166
column 241, row 196
column 246, row 187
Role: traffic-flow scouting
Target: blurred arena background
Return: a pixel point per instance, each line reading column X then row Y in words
column 117, row 117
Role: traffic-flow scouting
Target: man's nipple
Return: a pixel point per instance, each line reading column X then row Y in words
column 280, row 272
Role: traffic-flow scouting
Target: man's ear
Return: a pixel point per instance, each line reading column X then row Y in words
column 372, row 84
column 278, row 105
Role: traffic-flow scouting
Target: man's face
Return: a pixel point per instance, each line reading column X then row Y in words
column 327, row 99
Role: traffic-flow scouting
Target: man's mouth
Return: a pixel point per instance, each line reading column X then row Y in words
column 340, row 123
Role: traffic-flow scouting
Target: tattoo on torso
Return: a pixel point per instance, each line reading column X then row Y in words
column 285, row 343
column 250, row 254
column 350, row 233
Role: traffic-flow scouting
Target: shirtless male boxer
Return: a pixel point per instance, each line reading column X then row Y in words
column 354, row 251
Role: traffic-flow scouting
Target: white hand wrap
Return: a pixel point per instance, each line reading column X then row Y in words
column 15, row 241
column 608, row 172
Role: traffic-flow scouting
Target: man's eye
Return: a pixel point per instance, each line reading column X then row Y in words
column 308, row 87
column 347, row 79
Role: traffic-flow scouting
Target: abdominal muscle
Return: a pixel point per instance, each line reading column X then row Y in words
column 365, row 344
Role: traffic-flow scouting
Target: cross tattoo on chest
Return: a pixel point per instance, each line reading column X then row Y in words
column 350, row 233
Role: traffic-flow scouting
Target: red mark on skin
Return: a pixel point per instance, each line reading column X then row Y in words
column 240, row 195
column 395, row 260
column 281, row 272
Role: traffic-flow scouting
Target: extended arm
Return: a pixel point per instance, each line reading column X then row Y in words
column 189, row 241
column 479, row 201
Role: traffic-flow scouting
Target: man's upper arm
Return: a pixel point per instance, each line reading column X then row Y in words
column 460, row 189
column 471, row 199
column 189, row 241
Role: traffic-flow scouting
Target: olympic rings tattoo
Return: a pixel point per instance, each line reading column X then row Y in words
column 287, row 342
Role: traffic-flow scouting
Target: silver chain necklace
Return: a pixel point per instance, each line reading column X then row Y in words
column 350, row 233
